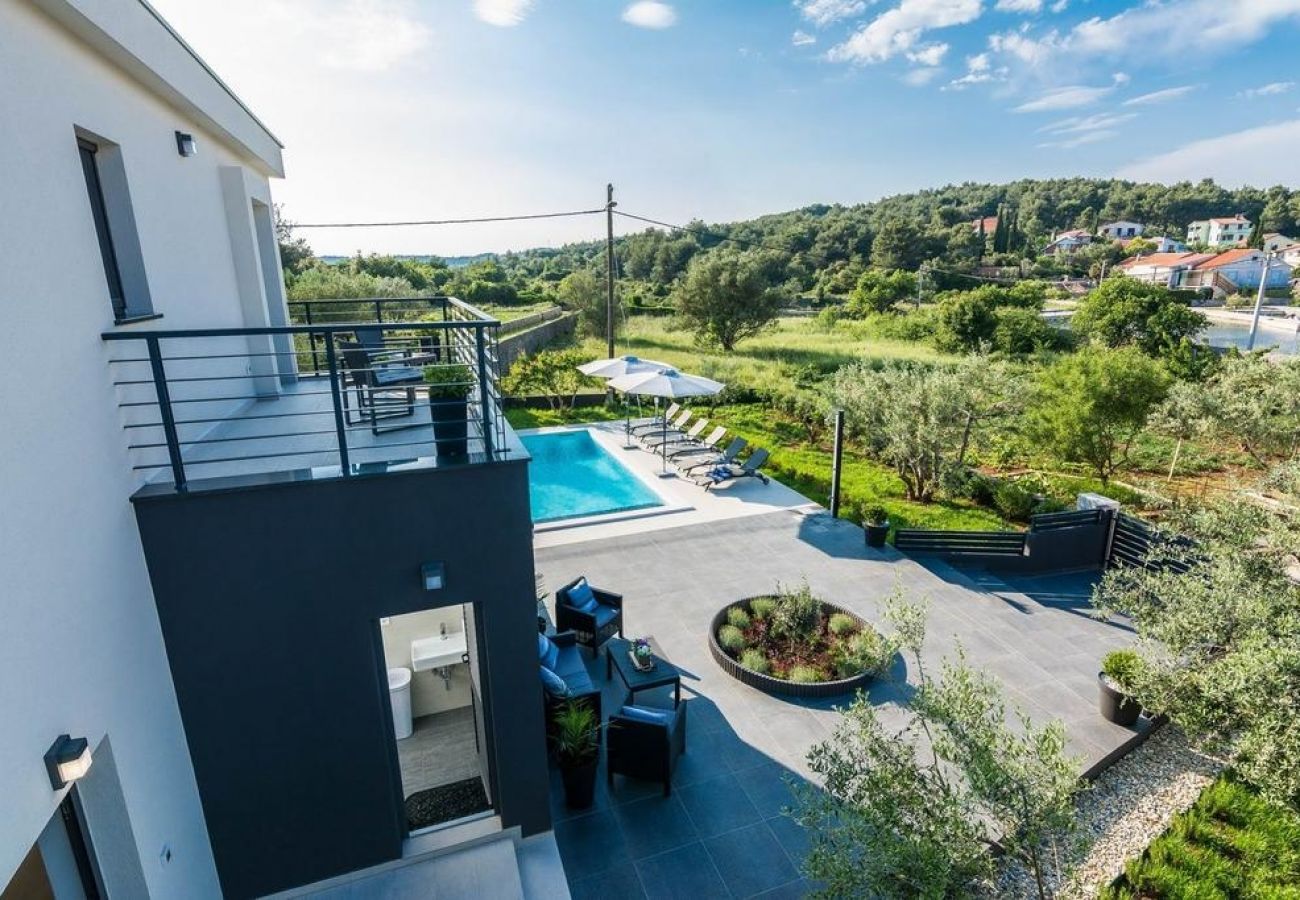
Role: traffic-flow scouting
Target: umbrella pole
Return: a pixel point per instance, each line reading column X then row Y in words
column 663, row 449
column 627, row 424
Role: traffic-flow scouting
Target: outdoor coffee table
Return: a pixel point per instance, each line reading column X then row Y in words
column 663, row 674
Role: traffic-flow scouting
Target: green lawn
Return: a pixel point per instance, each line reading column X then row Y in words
column 1230, row 844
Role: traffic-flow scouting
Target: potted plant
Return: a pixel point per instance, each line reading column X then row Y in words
column 643, row 655
column 875, row 522
column 449, row 389
column 577, row 750
column 1119, row 670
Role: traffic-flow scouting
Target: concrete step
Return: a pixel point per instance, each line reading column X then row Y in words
column 540, row 868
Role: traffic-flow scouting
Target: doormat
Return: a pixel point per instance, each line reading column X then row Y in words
column 445, row 803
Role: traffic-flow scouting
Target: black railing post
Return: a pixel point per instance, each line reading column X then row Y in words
column 332, row 359
column 484, row 393
column 379, row 310
column 837, row 463
column 311, row 338
column 165, row 413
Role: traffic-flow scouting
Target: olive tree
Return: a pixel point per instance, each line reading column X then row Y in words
column 551, row 373
column 1124, row 312
column 913, row 810
column 726, row 297
column 1257, row 403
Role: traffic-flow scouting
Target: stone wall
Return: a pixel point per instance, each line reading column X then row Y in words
column 513, row 346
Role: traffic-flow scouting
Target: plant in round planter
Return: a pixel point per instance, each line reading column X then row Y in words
column 875, row 522
column 1119, row 671
column 576, row 747
column 449, row 390
column 792, row 639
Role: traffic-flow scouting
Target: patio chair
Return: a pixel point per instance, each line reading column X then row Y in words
column 657, row 421
column 662, row 432
column 382, row 391
column 645, row 742
column 698, row 445
column 594, row 615
column 572, row 672
column 723, row 474
column 725, row 458
column 689, row 436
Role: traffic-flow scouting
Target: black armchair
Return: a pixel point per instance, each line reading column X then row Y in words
column 595, row 627
column 382, row 390
column 573, row 670
column 648, row 750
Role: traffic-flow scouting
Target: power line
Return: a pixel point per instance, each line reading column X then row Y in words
column 474, row 221
column 704, row 231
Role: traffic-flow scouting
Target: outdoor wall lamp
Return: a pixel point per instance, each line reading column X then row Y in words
column 432, row 575
column 67, row 760
column 185, row 144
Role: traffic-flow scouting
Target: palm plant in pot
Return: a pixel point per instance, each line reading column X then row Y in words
column 449, row 389
column 577, row 749
column 875, row 522
column 1119, row 672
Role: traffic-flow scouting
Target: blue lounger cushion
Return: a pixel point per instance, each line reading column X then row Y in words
column 644, row 714
column 554, row 684
column 582, row 598
column 547, row 653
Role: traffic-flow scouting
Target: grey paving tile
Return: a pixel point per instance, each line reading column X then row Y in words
column 686, row 873
column 718, row 805
column 591, row 844
column 792, row 837
column 769, row 787
column 750, row 860
column 654, row 825
column 621, row 881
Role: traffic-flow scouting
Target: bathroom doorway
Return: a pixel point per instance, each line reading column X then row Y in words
column 438, row 724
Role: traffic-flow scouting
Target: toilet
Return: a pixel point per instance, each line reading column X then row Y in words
column 399, row 693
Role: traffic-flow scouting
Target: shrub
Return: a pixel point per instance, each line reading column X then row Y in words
column 449, row 382
column 762, row 607
column 796, row 613
column 841, row 624
column 738, row 617
column 872, row 514
column 1012, row 501
column 1122, row 667
column 755, row 661
column 731, row 638
column 870, row 652
column 804, row 675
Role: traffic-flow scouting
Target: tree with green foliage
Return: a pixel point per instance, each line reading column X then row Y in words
column 1023, row 332
column 1217, row 612
column 1185, row 414
column 897, row 245
column 725, row 298
column 1123, row 312
column 1090, row 406
column 295, row 253
column 552, row 374
column 879, row 290
column 965, row 323
column 1257, row 403
column 584, row 293
column 914, row 811
column 1256, row 239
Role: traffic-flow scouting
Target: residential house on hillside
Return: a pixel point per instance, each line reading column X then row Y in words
column 1240, row 269
column 1067, row 243
column 1276, row 243
column 1220, row 232
column 1117, row 230
column 1162, row 244
column 1166, row 269
column 217, row 542
column 987, row 224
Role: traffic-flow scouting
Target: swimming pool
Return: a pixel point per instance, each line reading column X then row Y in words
column 573, row 476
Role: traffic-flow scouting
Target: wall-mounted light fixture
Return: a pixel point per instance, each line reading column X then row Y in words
column 185, row 144
column 432, row 576
column 67, row 760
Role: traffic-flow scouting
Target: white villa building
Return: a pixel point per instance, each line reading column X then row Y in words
column 1234, row 231
column 1120, row 230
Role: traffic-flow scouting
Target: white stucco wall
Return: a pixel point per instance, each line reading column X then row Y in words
column 80, row 646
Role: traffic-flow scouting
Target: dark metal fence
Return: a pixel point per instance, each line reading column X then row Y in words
column 1136, row 543
column 362, row 309
column 1070, row 519
column 336, row 399
column 958, row 543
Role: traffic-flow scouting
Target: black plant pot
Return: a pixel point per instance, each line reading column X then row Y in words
column 876, row 534
column 579, row 784
column 1117, row 706
column 450, row 426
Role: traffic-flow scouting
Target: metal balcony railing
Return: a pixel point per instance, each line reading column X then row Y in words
column 331, row 400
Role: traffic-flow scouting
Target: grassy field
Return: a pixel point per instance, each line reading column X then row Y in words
column 1230, row 844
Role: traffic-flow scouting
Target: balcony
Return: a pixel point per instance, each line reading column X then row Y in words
column 340, row 394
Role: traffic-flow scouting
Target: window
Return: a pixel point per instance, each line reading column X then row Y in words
column 119, row 244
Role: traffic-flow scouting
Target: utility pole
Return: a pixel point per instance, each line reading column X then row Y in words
column 609, row 269
column 1259, row 301
column 920, row 282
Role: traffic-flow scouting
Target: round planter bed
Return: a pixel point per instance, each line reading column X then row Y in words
column 772, row 684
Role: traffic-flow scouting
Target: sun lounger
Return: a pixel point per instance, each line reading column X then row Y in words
column 725, row 458
column 699, row 445
column 723, row 474
column 658, row 421
column 690, row 436
column 662, row 432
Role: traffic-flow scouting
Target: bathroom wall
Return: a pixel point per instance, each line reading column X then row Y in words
column 429, row 693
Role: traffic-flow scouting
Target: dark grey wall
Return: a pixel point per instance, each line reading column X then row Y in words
column 269, row 598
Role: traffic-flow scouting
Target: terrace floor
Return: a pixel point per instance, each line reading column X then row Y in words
column 722, row 831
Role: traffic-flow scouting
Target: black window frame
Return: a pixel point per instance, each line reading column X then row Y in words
column 88, row 152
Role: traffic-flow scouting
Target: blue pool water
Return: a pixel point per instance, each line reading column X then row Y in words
column 571, row 475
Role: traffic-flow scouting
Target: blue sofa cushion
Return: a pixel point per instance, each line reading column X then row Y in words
column 571, row 667
column 644, row 714
column 554, row 684
column 605, row 615
column 581, row 597
column 547, row 653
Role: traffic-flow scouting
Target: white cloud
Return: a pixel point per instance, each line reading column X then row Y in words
column 929, row 55
column 1086, row 124
column 824, row 12
column 802, row 39
column 921, row 77
column 1163, row 96
column 1271, row 89
column 1090, row 137
column 650, row 14
column 1020, row 6
column 1068, row 97
column 900, row 29
column 1263, row 155
column 502, row 13
column 1032, row 51
column 979, row 70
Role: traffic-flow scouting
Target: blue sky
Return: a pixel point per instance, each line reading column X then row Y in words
column 725, row 109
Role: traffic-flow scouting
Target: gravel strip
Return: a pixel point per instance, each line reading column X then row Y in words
column 1131, row 804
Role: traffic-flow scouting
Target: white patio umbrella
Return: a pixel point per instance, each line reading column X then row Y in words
column 619, row 366
column 667, row 383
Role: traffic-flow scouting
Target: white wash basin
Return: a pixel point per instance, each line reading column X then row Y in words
column 438, row 651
